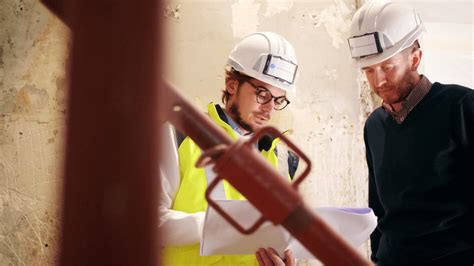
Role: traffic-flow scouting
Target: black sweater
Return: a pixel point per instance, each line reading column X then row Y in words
column 421, row 176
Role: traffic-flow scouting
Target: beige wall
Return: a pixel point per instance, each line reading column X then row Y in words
column 327, row 112
column 32, row 105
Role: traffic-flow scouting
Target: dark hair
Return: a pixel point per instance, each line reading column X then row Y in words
column 414, row 46
column 232, row 74
column 417, row 44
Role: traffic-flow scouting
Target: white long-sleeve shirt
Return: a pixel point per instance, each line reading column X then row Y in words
column 178, row 228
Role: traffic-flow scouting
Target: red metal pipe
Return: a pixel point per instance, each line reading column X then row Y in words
column 184, row 116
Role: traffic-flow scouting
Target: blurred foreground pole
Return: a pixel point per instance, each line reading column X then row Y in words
column 109, row 214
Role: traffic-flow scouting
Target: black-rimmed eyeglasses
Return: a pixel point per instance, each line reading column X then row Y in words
column 264, row 96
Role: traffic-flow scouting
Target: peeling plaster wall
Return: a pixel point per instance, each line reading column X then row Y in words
column 32, row 106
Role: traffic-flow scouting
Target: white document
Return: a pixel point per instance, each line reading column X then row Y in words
column 220, row 237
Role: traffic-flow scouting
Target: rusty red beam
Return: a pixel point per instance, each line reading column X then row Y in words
column 184, row 116
column 109, row 213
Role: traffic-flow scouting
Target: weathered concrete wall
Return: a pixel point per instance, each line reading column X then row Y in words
column 32, row 106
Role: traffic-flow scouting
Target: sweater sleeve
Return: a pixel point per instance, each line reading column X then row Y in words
column 374, row 201
column 464, row 127
column 178, row 228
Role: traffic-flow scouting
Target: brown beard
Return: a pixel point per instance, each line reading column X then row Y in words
column 407, row 84
column 235, row 113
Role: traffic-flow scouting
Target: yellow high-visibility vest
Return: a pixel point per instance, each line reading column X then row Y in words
column 190, row 198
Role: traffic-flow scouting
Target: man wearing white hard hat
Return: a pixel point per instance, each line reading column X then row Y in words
column 419, row 144
column 261, row 69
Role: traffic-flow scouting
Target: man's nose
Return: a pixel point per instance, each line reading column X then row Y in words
column 379, row 78
column 268, row 106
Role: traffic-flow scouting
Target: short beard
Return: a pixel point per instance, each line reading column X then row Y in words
column 405, row 87
column 408, row 84
column 234, row 111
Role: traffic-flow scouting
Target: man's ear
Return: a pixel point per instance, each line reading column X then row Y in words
column 416, row 59
column 231, row 86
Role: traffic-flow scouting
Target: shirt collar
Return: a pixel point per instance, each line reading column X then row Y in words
column 414, row 97
column 233, row 124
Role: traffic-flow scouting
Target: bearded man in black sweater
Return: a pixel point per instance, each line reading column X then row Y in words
column 419, row 144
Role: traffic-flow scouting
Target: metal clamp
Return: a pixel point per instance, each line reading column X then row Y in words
column 233, row 150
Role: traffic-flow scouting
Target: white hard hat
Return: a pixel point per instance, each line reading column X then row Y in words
column 380, row 30
column 267, row 57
